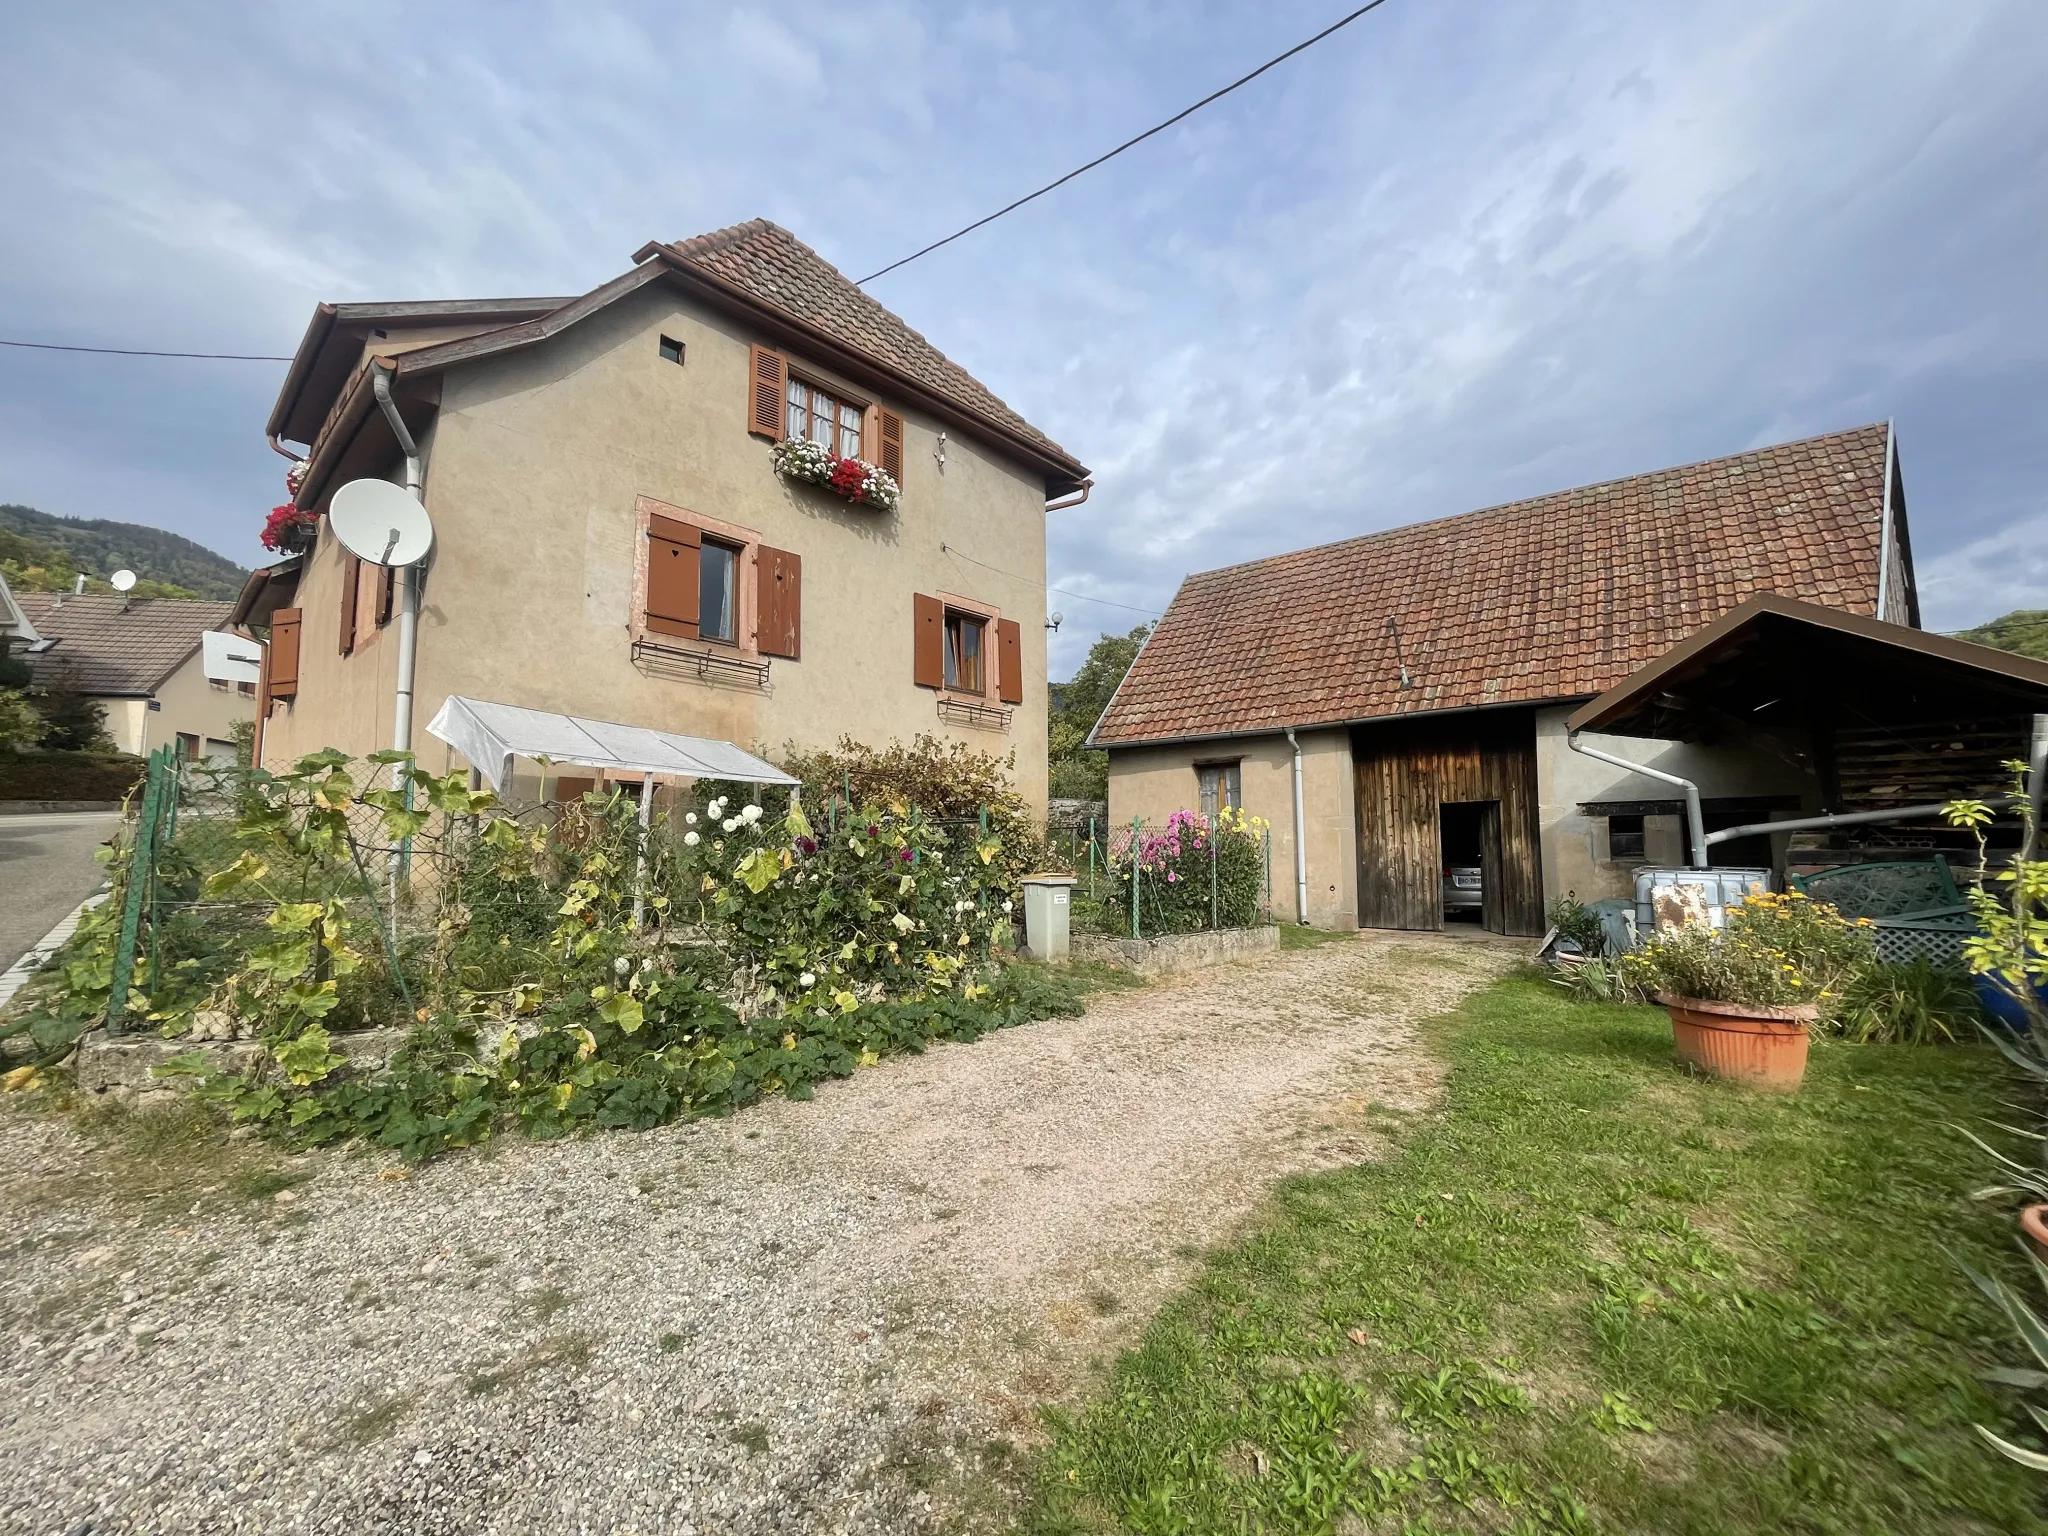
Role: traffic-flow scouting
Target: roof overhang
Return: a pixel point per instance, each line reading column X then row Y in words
column 269, row 588
column 1779, row 667
column 1346, row 723
column 491, row 736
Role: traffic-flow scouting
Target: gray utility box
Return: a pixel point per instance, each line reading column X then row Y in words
column 1048, row 905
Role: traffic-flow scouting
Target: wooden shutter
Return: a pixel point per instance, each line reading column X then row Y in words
column 928, row 667
column 572, row 791
column 767, row 393
column 779, row 597
column 284, row 653
column 351, row 582
column 1010, row 650
column 889, row 456
column 672, row 549
column 387, row 586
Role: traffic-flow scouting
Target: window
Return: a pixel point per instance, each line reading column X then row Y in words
column 217, row 684
column 1625, row 839
column 717, row 591
column 246, row 688
column 1222, row 784
column 188, row 745
column 964, row 672
column 831, row 423
column 671, row 350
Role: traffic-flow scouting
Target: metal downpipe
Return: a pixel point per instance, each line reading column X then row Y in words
column 1696, row 824
column 1300, row 839
column 408, row 593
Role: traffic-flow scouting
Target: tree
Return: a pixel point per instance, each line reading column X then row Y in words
column 73, row 723
column 20, row 725
column 1077, row 773
column 2024, row 632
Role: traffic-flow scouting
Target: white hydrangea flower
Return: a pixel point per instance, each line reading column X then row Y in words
column 751, row 814
column 690, row 839
column 1006, row 905
column 690, row 819
column 807, row 980
column 731, row 823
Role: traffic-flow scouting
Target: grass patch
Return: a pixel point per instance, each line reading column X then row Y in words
column 1302, row 936
column 559, row 1351
column 372, row 1422
column 161, row 1155
column 1589, row 1295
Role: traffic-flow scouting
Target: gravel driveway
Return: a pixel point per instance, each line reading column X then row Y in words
column 839, row 1316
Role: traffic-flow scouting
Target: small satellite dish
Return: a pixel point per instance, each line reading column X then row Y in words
column 122, row 581
column 380, row 522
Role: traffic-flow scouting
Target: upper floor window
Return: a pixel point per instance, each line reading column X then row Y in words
column 718, row 591
column 1625, row 840
column 833, row 424
column 964, row 648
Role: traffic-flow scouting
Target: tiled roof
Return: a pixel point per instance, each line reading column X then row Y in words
column 113, row 646
column 1558, row 597
column 768, row 263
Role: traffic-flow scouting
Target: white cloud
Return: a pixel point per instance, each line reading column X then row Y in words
column 1987, row 576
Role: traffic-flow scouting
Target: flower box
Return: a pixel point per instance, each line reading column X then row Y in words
column 851, row 480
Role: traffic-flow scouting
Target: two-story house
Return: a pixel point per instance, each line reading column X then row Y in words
column 613, row 538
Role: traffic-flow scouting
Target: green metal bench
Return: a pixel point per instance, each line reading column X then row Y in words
column 1914, row 908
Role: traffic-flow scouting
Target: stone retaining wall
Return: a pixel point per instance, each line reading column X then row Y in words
column 1176, row 951
column 126, row 1063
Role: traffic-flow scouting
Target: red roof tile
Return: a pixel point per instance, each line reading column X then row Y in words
column 111, row 646
column 1558, row 597
column 768, row 263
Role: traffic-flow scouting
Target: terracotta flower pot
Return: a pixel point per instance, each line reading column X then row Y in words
column 1747, row 1043
column 2034, row 1222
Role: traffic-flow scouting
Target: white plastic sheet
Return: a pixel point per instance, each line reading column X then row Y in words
column 492, row 735
column 230, row 658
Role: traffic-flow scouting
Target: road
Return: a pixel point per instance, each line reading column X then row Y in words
column 46, row 869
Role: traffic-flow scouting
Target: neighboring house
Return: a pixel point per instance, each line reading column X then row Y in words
column 141, row 659
column 613, row 541
column 1425, row 675
column 16, row 633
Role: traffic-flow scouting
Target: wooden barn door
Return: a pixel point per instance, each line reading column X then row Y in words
column 1493, row 909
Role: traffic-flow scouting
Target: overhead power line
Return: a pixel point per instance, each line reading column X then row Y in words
column 225, row 357
column 1082, row 170
column 1079, row 597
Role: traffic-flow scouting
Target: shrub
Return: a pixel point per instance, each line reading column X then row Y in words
column 68, row 775
column 1775, row 951
column 1917, row 1003
column 1173, row 874
column 1579, row 923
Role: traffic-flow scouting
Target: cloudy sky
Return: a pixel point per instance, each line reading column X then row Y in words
column 1462, row 252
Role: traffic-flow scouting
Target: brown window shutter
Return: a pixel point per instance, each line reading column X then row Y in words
column 671, row 577
column 387, row 587
column 767, row 393
column 779, row 597
column 351, row 581
column 929, row 660
column 284, row 653
column 890, row 459
column 1010, row 647
column 572, row 791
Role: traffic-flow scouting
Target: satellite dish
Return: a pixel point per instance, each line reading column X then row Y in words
column 122, row 581
column 380, row 522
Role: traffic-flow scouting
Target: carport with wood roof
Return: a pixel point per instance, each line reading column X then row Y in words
column 1891, row 721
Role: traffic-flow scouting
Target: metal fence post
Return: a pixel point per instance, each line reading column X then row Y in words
column 1214, row 910
column 1091, row 858
column 141, row 865
column 1137, row 843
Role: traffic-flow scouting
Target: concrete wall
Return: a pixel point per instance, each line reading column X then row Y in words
column 1154, row 782
column 1575, row 846
column 190, row 704
column 539, row 468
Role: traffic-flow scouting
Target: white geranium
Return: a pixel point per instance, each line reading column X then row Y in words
column 751, row 814
column 690, row 819
column 731, row 823
column 807, row 980
column 690, row 839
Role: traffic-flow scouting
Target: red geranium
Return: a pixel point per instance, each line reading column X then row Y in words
column 283, row 526
column 848, row 476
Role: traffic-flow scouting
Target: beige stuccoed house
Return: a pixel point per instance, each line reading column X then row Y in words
column 141, row 659
column 613, row 538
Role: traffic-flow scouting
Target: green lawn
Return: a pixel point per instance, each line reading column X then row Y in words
column 1589, row 1294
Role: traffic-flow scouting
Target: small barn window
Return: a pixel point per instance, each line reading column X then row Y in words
column 671, row 350
column 1221, row 785
column 1625, row 839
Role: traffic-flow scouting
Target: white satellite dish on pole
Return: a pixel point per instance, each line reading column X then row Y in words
column 122, row 581
column 380, row 522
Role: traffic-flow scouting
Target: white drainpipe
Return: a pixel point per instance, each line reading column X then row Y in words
column 1300, row 839
column 1695, row 822
column 408, row 575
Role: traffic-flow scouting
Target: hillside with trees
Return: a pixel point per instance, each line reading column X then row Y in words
column 43, row 553
column 2024, row 632
column 1077, row 773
